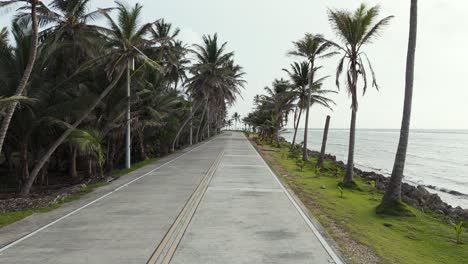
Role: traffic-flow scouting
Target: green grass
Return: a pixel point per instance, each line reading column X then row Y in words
column 424, row 238
column 11, row 217
column 134, row 167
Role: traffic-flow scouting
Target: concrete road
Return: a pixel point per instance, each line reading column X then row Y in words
column 214, row 203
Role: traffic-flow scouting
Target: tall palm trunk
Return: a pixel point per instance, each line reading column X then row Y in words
column 305, row 151
column 349, row 175
column 27, row 73
column 296, row 127
column 46, row 156
column 24, row 161
column 73, row 155
column 189, row 118
column 393, row 191
column 324, row 142
column 352, row 136
column 200, row 125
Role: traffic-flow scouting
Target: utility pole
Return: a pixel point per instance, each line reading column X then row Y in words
column 128, row 138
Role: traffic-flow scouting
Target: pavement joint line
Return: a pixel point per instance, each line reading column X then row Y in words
column 241, row 165
column 168, row 245
column 2, row 249
column 246, row 189
column 324, row 243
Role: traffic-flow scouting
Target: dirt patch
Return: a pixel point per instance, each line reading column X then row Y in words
column 357, row 252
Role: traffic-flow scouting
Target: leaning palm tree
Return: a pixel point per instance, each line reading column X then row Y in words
column 311, row 47
column 355, row 30
column 31, row 5
column 391, row 201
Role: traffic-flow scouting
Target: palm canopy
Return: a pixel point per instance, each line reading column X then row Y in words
column 311, row 47
column 215, row 77
column 299, row 75
column 126, row 37
column 355, row 29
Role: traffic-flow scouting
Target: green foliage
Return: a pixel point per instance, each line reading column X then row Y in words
column 459, row 231
column 341, row 192
column 300, row 164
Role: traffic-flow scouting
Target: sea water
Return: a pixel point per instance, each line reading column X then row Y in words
column 435, row 157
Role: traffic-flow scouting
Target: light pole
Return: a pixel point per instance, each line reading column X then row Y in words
column 128, row 137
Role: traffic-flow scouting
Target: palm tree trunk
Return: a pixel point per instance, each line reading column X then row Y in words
column 73, row 155
column 305, row 151
column 324, row 142
column 296, row 127
column 201, row 123
column 352, row 136
column 141, row 139
column 24, row 161
column 27, row 187
column 393, row 190
column 189, row 118
column 25, row 78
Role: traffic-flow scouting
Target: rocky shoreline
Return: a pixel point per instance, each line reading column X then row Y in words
column 417, row 196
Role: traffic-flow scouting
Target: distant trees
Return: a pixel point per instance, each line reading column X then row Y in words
column 236, row 118
column 74, row 107
column 355, row 30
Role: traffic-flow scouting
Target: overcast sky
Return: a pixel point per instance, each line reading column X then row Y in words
column 261, row 31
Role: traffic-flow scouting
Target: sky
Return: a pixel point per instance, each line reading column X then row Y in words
column 260, row 32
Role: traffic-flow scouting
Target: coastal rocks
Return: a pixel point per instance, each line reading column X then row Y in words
column 417, row 196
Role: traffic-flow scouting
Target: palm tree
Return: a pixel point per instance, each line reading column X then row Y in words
column 215, row 82
column 31, row 5
column 236, row 118
column 311, row 47
column 124, row 38
column 299, row 75
column 355, row 30
column 392, row 197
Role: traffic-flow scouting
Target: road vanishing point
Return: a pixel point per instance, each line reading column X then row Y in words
column 216, row 202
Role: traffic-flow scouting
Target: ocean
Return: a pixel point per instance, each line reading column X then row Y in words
column 435, row 158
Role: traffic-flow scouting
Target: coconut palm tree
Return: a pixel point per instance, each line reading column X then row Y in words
column 32, row 6
column 299, row 75
column 392, row 197
column 312, row 48
column 215, row 83
column 124, row 39
column 355, row 30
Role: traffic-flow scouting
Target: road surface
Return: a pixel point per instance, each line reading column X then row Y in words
column 217, row 202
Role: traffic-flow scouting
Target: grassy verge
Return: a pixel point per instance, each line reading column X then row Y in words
column 425, row 238
column 11, row 217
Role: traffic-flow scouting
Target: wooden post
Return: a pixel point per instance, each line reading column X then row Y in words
column 324, row 143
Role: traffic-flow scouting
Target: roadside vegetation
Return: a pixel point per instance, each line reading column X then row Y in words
column 425, row 238
column 78, row 85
